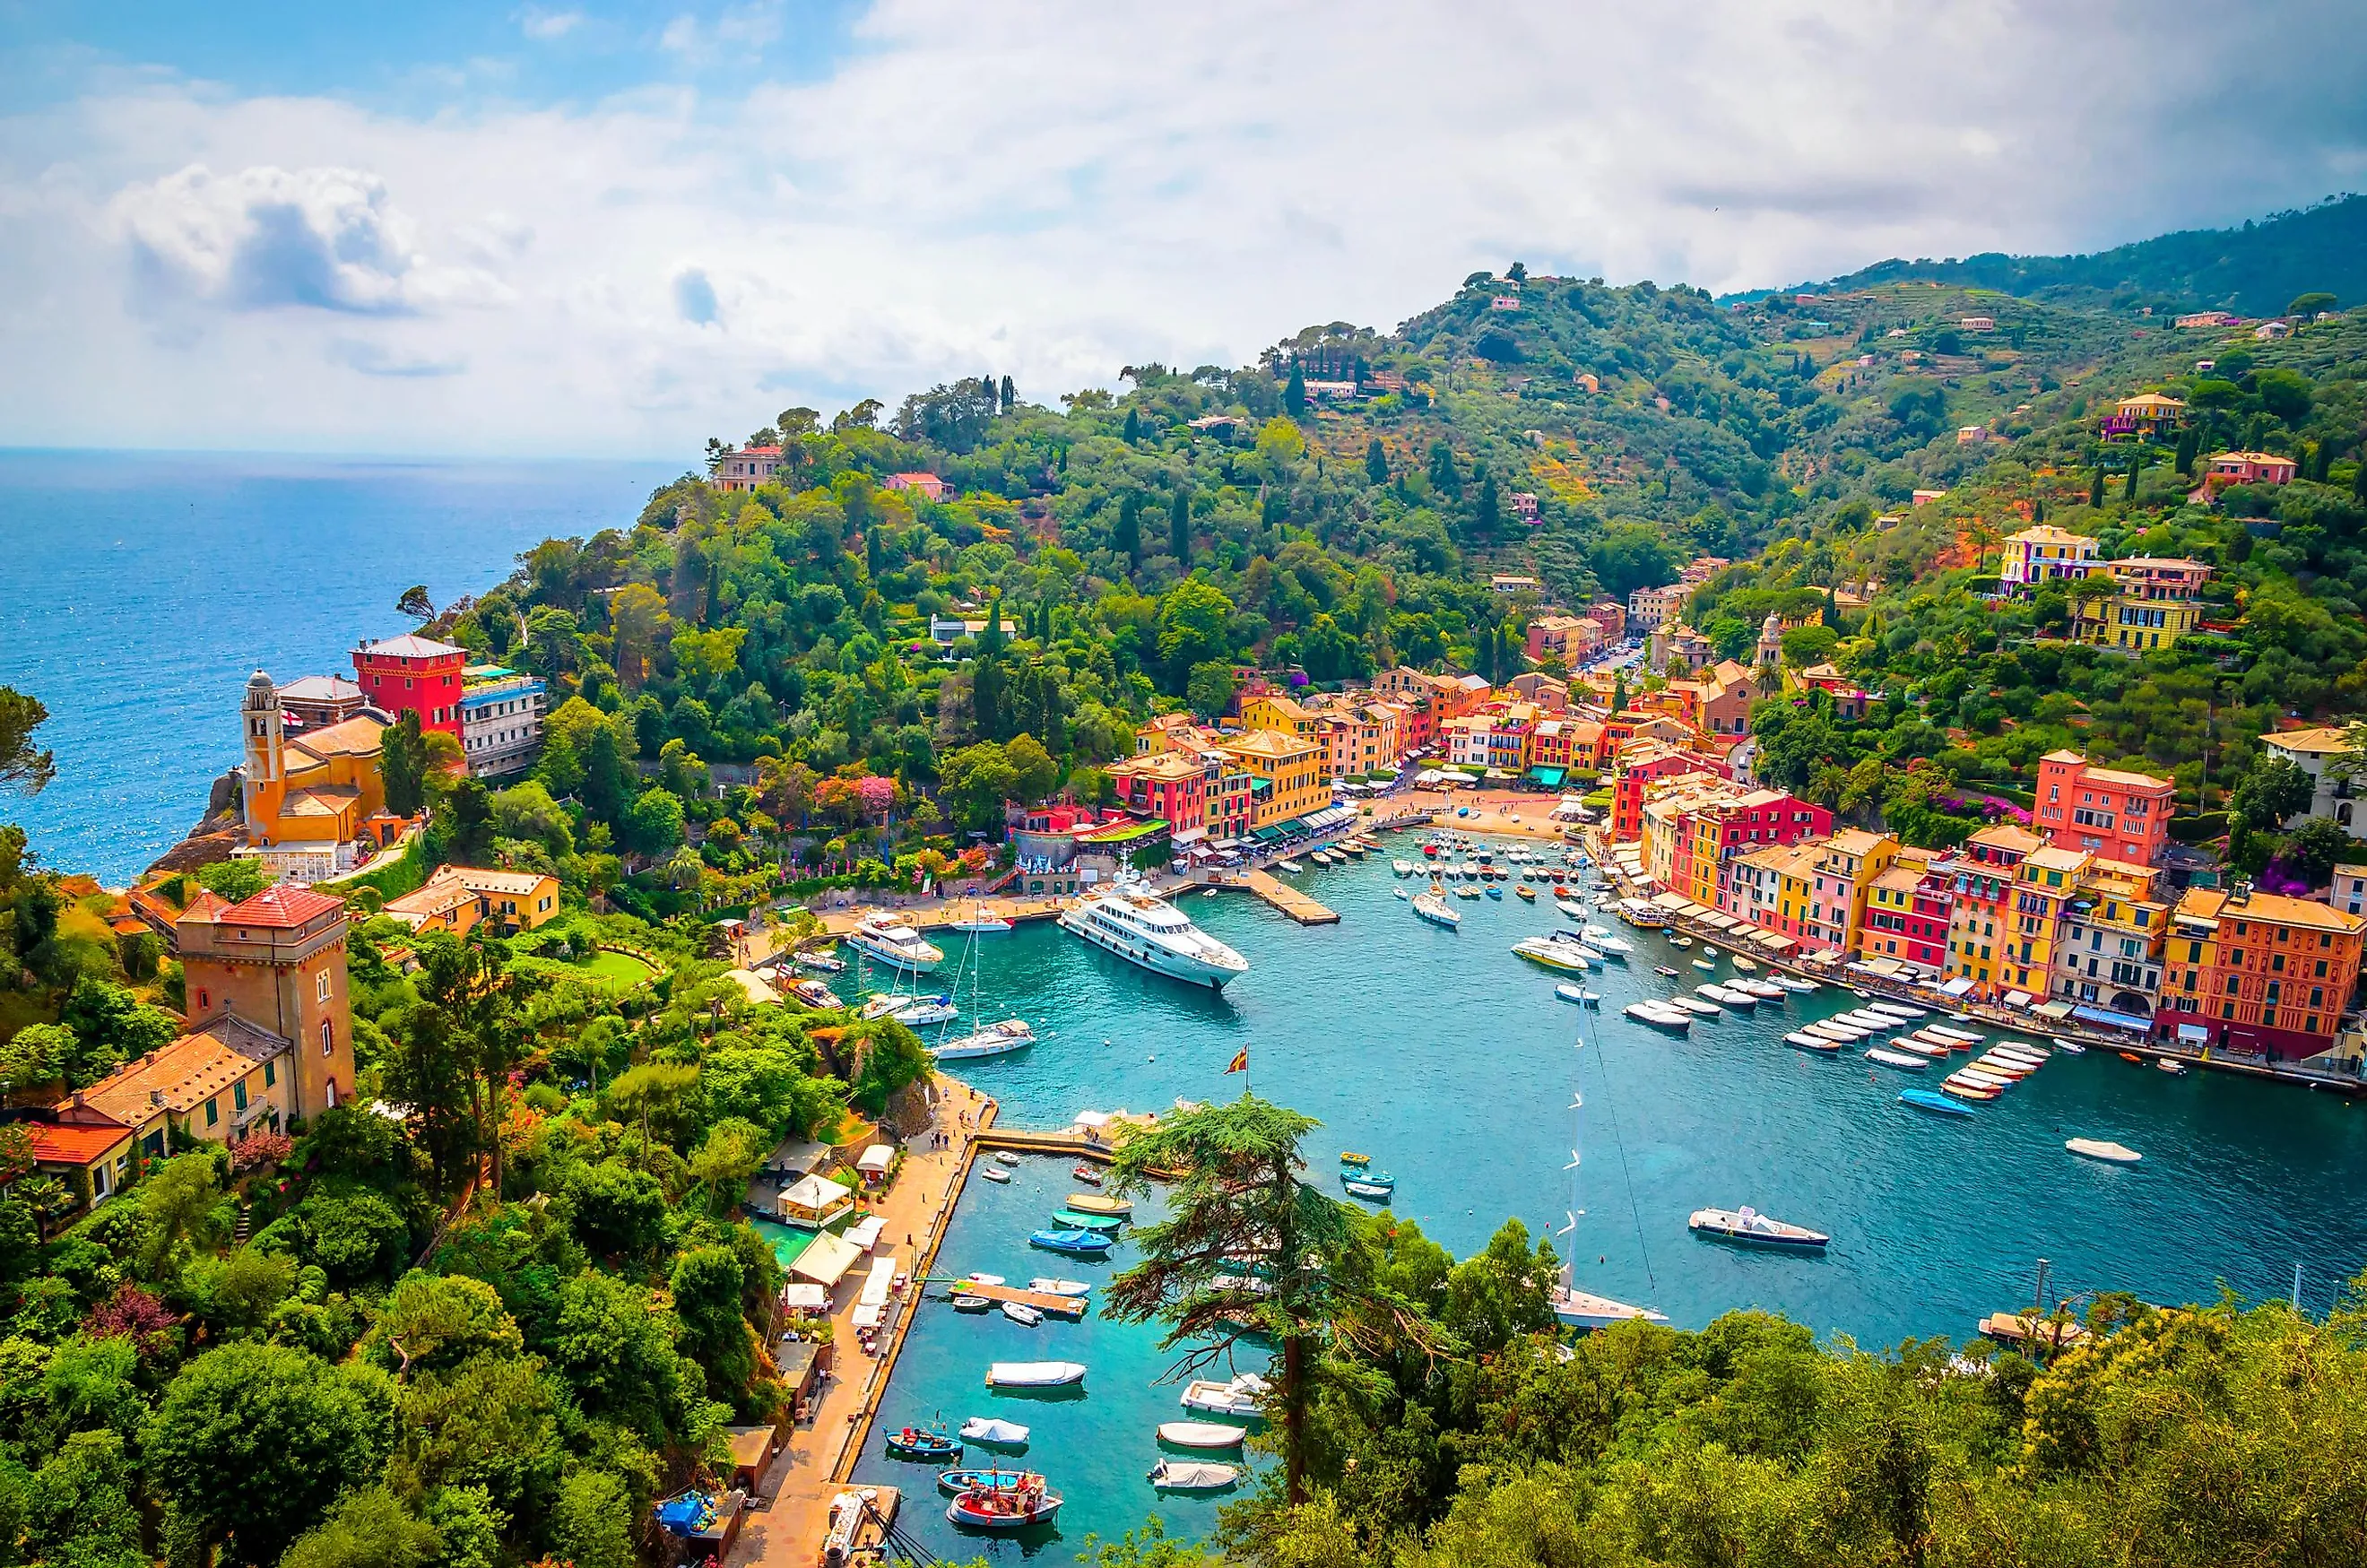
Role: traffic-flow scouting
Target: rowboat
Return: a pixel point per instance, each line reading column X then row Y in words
column 1044, row 1287
column 1924, row 1099
column 1579, row 995
column 1100, row 1224
column 955, row 1482
column 1094, row 1204
column 1080, row 1242
column 1660, row 1015
column 1751, row 1228
column 1348, row 1156
column 1727, row 996
column 1808, row 1042
column 1966, row 1091
column 998, row 1507
column 1201, row 1434
column 1023, row 1314
column 994, row 1173
column 1900, row 1011
column 1035, row 1375
column 1899, row 1059
column 1957, row 1034
column 988, row 1430
column 1192, row 1475
column 1004, row 1156
column 924, row 1442
column 1696, row 1006
column 2103, row 1149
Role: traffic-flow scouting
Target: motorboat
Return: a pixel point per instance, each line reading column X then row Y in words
column 1564, row 957
column 1727, row 996
column 1751, row 1228
column 2068, row 1047
column 1290, row 866
column 1808, row 1042
column 1079, row 1243
column 1323, row 857
column 1744, row 965
column 1467, row 893
column 1696, row 1007
column 1400, row 868
column 1129, row 919
column 1664, row 972
column 1022, row 1314
column 815, row 994
column 1681, row 941
column 912, row 1012
column 1496, row 893
column 1237, row 1396
column 924, row 1442
column 1201, row 1434
column 821, row 962
column 1938, row 1104
column 892, row 942
column 1572, row 910
column 1357, row 1187
column 975, row 1277
column 1431, row 907
column 1044, row 1287
column 1794, row 985
column 994, row 1040
column 2171, row 1066
column 1958, row 1034
column 1035, row 1375
column 1350, row 1157
column 989, row 1429
column 1660, row 1015
column 1100, row 1224
column 1611, row 943
column 1094, row 1204
column 1899, row 1059
column 1901, row 1011
column 994, row 1173
column 1085, row 1173
column 1005, row 1157
column 1401, row 892
column 981, row 922
column 1759, row 988
column 1193, row 1475
column 1027, row 1501
column 954, row 1482
column 1577, row 994
column 2103, row 1149
column 1704, row 965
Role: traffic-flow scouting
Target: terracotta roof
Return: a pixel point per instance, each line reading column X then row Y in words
column 2275, row 908
column 283, row 905
column 320, row 689
column 320, row 800
column 2006, row 836
column 63, row 1144
column 360, row 736
column 187, row 1072
column 438, row 897
column 2124, row 779
column 2323, row 739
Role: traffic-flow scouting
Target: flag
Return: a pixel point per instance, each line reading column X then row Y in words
column 1240, row 1060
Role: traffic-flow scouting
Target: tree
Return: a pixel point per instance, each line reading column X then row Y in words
column 1133, row 426
column 415, row 603
column 1488, row 511
column 402, row 765
column 1193, row 617
column 253, row 1442
column 2284, row 393
column 654, row 830
column 1127, row 539
column 2136, row 467
column 2096, row 487
column 1179, row 529
column 2311, row 303
column 1445, row 476
column 368, row 1528
column 1209, row 688
column 1294, row 393
column 23, row 768
column 1034, row 771
column 2276, row 790
column 591, row 1526
column 2313, row 850
column 1377, row 461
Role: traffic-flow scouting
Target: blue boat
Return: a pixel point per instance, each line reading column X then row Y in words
column 1369, row 1183
column 953, row 1483
column 930, row 1442
column 1084, row 1243
column 1940, row 1104
column 1106, row 1224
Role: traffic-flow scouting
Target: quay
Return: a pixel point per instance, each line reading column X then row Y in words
column 1289, row 899
column 1050, row 1305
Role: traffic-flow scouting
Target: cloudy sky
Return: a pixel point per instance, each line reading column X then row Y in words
column 615, row 229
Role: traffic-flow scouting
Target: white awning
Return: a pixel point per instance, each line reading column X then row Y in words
column 805, row 1298
column 869, row 1316
column 877, row 1159
column 815, row 1193
column 1958, row 987
column 2017, row 998
column 826, row 1260
column 864, row 1232
column 879, row 1284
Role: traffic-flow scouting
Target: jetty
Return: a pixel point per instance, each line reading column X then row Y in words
column 1289, row 899
column 1071, row 1307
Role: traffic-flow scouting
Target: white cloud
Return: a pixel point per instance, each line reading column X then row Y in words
column 544, row 27
column 964, row 193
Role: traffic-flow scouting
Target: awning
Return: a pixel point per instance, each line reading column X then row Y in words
column 1773, row 942
column 870, row 1315
column 827, row 1260
column 805, row 1298
column 2111, row 1020
column 876, row 1160
column 1265, row 835
column 864, row 1232
column 2056, row 1010
column 816, row 1194
column 879, row 1284
column 1958, row 987
column 2017, row 998
column 1549, row 777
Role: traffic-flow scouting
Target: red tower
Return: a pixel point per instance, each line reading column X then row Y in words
column 414, row 674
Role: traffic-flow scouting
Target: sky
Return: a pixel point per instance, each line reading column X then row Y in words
column 616, row 229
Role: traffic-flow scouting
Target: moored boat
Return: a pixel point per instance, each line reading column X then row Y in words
column 1939, row 1104
column 924, row 1442
column 1899, row 1059
column 1660, row 1015
column 1560, row 955
column 1583, row 1309
column 1022, row 1314
column 994, row 1040
column 955, row 1482
column 1133, row 923
column 1081, row 1243
column 1035, row 1375
column 1094, row 1204
column 1807, row 1042
column 890, row 941
column 1193, row 1475
column 989, row 1429
column 1100, row 1224
column 2103, row 1149
column 1751, row 1228
column 1044, row 1287
column 1431, row 907
column 1234, row 1396
column 1027, row 1501
column 1201, row 1434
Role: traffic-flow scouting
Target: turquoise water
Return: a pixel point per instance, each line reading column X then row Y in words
column 1450, row 1063
column 141, row 590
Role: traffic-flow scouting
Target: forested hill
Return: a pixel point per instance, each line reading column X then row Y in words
column 2256, row 270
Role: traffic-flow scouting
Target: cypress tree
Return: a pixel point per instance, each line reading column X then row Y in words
column 1488, row 510
column 990, row 641
column 1294, row 396
column 2358, row 479
column 2038, row 511
column 1377, row 461
column 986, row 698
column 2190, row 447
column 1010, row 395
column 1129, row 539
column 402, row 765
column 1132, row 426
column 1619, row 692
column 2096, row 487
column 2136, row 467
column 985, row 385
column 875, row 554
column 1179, row 529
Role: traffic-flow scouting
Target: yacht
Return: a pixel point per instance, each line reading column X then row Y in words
column 896, row 944
column 1138, row 925
column 994, row 1040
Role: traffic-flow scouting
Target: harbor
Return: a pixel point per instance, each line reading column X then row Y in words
column 1452, row 1062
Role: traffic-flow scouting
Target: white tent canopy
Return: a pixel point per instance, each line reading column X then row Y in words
column 864, row 1232
column 827, row 1260
column 805, row 1298
column 876, row 1160
column 815, row 1192
column 879, row 1284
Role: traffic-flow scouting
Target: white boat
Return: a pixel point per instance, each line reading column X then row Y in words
column 1794, row 985
column 977, row 1279
column 1584, row 1309
column 1292, row 867
column 1575, row 911
column 2068, row 1047
column 987, row 1429
column 919, row 1013
column 1401, row 892
column 984, row 923
column 1957, row 1034
column 1751, row 1228
column 994, row 1040
column 1658, row 1015
column 1022, row 1314
column 1596, row 934
column 1577, row 994
column 1560, row 955
column 1435, row 909
column 1060, row 1287
column 1617, row 946
column 1235, row 1397
column 1899, row 1059
column 895, row 1004
column 1745, row 965
column 1759, row 988
column 994, row 1173
column 1728, row 996
column 2103, row 1149
column 1900, row 1011
column 1808, row 1042
column 1137, row 925
column 1974, row 1078
column 820, row 962
column 1400, row 868
column 1035, row 1375
column 1696, row 1006
column 1004, row 1156
column 1193, row 1475
column 1201, row 1434
column 890, row 941
column 1704, row 965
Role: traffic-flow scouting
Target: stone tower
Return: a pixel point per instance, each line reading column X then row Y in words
column 1771, row 641
column 278, row 961
column 266, row 769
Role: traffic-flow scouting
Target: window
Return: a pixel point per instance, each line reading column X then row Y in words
column 203, row 1000
column 321, row 985
column 270, row 1075
column 238, row 1095
column 328, row 1040
column 213, row 1111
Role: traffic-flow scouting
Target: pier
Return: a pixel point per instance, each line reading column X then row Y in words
column 1289, row 899
column 1071, row 1307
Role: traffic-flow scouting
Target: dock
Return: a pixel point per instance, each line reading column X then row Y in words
column 1071, row 1307
column 1289, row 900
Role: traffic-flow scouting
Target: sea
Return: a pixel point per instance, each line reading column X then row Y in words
column 1451, row 1063
column 140, row 590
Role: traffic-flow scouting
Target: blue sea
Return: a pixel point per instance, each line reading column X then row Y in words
column 142, row 589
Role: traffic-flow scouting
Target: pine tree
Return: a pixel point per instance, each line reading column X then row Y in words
column 1488, row 510
column 1128, row 538
column 1377, row 461
column 1294, row 396
column 2038, row 511
column 2096, row 489
column 2190, row 447
column 2359, row 480
column 1179, row 529
column 1132, row 426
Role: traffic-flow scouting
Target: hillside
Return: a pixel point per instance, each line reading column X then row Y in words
column 2256, row 270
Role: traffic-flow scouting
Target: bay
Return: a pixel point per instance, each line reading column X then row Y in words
column 143, row 588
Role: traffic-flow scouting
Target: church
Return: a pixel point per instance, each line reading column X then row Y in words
column 314, row 803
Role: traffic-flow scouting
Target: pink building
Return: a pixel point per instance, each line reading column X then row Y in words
column 2103, row 811
column 927, row 485
column 2251, row 468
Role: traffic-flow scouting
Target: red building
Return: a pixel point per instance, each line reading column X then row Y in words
column 414, row 674
column 1639, row 767
column 1907, row 914
column 2119, row 816
column 1167, row 785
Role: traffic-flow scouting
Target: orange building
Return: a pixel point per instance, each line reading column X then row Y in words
column 2120, row 815
column 2258, row 972
column 313, row 804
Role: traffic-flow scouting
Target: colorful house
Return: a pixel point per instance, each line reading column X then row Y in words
column 2335, row 796
column 2157, row 602
column 1981, row 888
column 1846, row 868
column 1168, row 786
column 2258, row 972
column 2249, row 469
column 313, row 804
column 414, row 674
column 2104, row 811
column 2044, row 553
column 743, row 467
column 1286, row 774
column 2144, row 417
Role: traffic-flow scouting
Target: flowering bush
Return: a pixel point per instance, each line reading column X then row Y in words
column 260, row 1149
column 131, row 1313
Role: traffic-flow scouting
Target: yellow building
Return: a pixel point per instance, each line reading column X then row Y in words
column 1288, row 775
column 2155, row 602
column 2044, row 885
column 313, row 804
column 2044, row 553
column 456, row 898
column 2108, row 951
column 1852, row 858
column 1271, row 710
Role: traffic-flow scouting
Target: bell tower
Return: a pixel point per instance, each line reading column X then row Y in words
column 267, row 777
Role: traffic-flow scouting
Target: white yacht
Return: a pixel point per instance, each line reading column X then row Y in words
column 891, row 942
column 1130, row 920
column 994, row 1040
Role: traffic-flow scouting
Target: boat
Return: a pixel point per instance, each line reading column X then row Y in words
column 1094, row 1204
column 975, row 1277
column 1192, row 1475
column 1922, row 1048
column 1759, row 989
column 1794, row 985
column 2171, row 1066
column 1369, row 1177
column 1560, row 955
column 1433, row 908
column 2131, row 1057
column 815, row 994
column 1947, row 1033
column 1400, row 868
column 994, row 1040
column 1696, row 1007
column 1100, row 1224
column 978, row 920
column 1745, row 965
column 1616, row 945
column 1526, row 894
column 1808, row 1042
column 1496, row 893
column 1573, row 1307
column 1681, row 941
column 1709, row 951
column 1751, row 1228
column 1201, row 1434
column 1467, row 893
column 1022, row 1314
column 1035, row 1375
column 994, row 1173
column 924, row 1442
column 2103, row 1149
column 1349, row 1156
column 953, row 1483
column 1939, row 1104
column 1704, row 965
column 1004, row 1156
column 1323, row 857
column 1664, row 972
column 1582, row 997
column 1081, row 1243
column 1356, row 1187
column 1968, row 1091
column 2068, row 1047
column 1027, row 1501
column 892, row 942
column 1234, row 1396
column 1574, row 911
column 988, row 1430
column 1138, row 925
column 1658, row 1016
column 1900, row 1011
column 1727, row 996
column 1044, row 1287
column 912, row 1012
column 821, row 962
column 1291, row 866
column 1899, row 1059
column 1085, row 1173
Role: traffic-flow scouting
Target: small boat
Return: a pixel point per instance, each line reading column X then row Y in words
column 924, row 1442
column 1966, row 1091
column 994, row 1173
column 1082, row 1243
column 2171, row 1066
column 1094, row 1204
column 1973, row 1078
column 1709, row 951
column 1100, row 1224
column 1292, row 867
column 1085, row 1173
column 1706, row 966
column 1201, row 1434
column 2103, row 1149
column 1433, row 908
column 1751, row 1227
column 1808, row 1042
column 825, row 962
column 1681, row 941
column 1561, row 955
column 1582, row 997
column 1947, row 1033
column 1575, row 911
column 2068, row 1047
column 977, row 1278
column 1899, row 1059
column 1022, row 1314
column 988, row 1430
column 815, row 994
column 953, row 1483
column 1323, row 857
column 1235, row 1397
column 1696, row 1007
column 1940, row 1104
column 1658, row 1015
column 1349, row 1156
column 969, row 1300
column 1745, row 965
column 1044, row 1287
column 982, row 922
column 1357, row 1188
column 1900, row 1011
column 1380, row 1180
column 1794, row 985
column 1664, row 972
column 2131, row 1057
column 1727, row 996
column 1035, row 1375
column 1759, row 988
column 1496, row 893
column 1400, row 868
column 1467, row 893
column 1005, row 1507
column 1616, row 946
column 1191, row 1475
column 1004, row 1156
column 1527, row 894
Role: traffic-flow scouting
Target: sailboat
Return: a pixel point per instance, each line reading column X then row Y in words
column 980, row 919
column 1584, row 1309
column 992, row 1040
